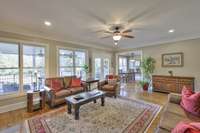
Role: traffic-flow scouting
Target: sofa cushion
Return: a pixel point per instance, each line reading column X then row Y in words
column 62, row 93
column 108, row 87
column 57, row 84
column 176, row 109
column 67, row 81
column 190, row 101
column 75, row 82
column 76, row 89
column 169, row 120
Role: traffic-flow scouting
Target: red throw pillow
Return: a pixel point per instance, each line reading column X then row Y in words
column 183, row 127
column 56, row 85
column 190, row 101
column 75, row 82
column 110, row 76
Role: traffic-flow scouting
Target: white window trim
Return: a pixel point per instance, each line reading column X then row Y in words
column 72, row 49
column 20, row 44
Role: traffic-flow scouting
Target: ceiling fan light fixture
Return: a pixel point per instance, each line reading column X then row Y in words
column 117, row 37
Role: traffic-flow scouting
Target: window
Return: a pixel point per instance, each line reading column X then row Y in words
column 9, row 68
column 33, row 67
column 71, row 62
column 18, row 58
column 106, row 67
column 66, row 62
column 79, row 63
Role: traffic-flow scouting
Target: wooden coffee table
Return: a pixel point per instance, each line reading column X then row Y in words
column 84, row 98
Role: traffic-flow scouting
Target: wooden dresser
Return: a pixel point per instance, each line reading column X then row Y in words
column 171, row 83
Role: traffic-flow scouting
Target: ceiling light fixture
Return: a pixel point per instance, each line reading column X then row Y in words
column 47, row 23
column 171, row 31
column 117, row 37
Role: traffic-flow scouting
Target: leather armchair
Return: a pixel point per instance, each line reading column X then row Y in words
column 111, row 90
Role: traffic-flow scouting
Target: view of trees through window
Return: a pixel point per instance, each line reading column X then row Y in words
column 9, row 68
column 33, row 60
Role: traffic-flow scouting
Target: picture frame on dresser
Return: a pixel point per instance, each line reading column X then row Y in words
column 173, row 59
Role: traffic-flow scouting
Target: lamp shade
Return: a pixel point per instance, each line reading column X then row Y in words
column 116, row 37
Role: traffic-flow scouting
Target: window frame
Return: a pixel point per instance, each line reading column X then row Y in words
column 20, row 44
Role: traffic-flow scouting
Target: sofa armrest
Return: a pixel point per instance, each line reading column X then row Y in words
column 84, row 85
column 47, row 89
column 50, row 95
column 174, row 98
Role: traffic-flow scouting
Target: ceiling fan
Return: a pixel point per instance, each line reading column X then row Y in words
column 117, row 32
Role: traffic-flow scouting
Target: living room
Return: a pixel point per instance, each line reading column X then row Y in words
column 99, row 66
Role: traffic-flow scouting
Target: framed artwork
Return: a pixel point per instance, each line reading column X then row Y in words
column 172, row 60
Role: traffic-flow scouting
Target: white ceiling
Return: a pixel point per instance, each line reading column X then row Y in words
column 77, row 20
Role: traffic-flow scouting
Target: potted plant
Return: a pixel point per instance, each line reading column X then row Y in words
column 144, row 84
column 147, row 67
column 86, row 69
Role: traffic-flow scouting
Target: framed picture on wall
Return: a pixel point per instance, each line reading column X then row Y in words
column 172, row 60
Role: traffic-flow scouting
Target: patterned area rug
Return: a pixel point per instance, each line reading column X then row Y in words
column 119, row 115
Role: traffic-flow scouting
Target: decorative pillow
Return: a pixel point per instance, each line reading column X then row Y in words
column 190, row 101
column 75, row 82
column 56, row 85
column 183, row 127
column 67, row 81
column 112, row 81
column 110, row 76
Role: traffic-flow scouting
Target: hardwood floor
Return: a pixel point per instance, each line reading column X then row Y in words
column 130, row 90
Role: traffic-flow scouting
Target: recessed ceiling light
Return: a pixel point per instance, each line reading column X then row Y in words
column 171, row 31
column 47, row 23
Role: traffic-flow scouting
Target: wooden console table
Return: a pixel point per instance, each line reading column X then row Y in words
column 173, row 84
column 30, row 106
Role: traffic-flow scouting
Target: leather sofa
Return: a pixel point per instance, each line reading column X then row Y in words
column 58, row 97
column 173, row 114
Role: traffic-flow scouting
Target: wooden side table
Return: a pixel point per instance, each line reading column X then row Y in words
column 90, row 81
column 30, row 106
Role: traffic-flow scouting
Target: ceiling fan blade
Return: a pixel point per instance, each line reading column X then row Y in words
column 106, row 37
column 128, row 36
column 128, row 30
column 97, row 31
column 103, row 31
column 109, row 32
